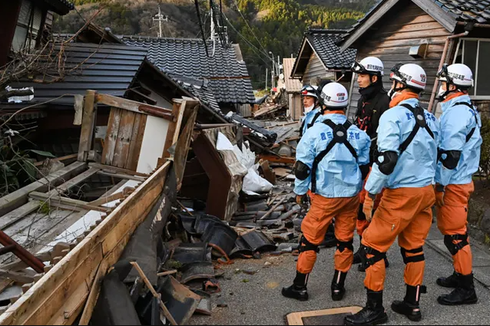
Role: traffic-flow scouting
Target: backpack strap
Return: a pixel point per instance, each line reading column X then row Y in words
column 340, row 137
column 419, row 114
column 468, row 137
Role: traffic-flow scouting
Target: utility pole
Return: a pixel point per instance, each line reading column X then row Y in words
column 266, row 77
column 273, row 70
column 160, row 18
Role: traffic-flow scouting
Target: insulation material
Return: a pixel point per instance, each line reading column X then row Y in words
column 153, row 143
column 253, row 183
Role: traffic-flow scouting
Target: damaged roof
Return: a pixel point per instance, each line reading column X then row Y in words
column 226, row 74
column 323, row 42
column 107, row 68
column 61, row 7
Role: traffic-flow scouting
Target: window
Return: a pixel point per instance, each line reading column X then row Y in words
column 475, row 53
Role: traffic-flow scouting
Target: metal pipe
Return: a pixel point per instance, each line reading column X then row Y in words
column 477, row 25
column 441, row 63
column 22, row 253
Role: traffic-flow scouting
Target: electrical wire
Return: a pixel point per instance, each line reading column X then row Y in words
column 251, row 45
column 249, row 27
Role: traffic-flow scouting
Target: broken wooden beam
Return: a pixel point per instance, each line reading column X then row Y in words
column 54, row 200
column 278, row 159
column 122, row 176
column 134, row 106
column 20, row 197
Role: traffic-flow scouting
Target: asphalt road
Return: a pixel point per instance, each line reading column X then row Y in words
column 256, row 299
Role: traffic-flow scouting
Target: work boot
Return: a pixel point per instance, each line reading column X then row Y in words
column 464, row 293
column 448, row 282
column 373, row 313
column 410, row 304
column 357, row 255
column 338, row 289
column 298, row 289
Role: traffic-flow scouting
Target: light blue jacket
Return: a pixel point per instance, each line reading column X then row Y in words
column 457, row 121
column 309, row 118
column 338, row 174
column 416, row 167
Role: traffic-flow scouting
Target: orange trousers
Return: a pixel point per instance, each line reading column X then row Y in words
column 316, row 222
column 452, row 219
column 406, row 213
column 362, row 225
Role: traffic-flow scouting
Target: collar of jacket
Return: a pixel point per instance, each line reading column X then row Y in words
column 450, row 101
column 370, row 91
column 402, row 97
column 334, row 112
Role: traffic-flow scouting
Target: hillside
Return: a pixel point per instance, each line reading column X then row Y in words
column 259, row 26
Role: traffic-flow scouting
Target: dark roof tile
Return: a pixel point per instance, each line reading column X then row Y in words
column 324, row 42
column 228, row 77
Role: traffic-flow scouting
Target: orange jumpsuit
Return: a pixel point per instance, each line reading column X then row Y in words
column 316, row 222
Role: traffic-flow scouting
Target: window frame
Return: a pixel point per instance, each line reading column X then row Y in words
column 460, row 49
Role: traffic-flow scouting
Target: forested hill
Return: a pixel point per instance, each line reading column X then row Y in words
column 259, row 26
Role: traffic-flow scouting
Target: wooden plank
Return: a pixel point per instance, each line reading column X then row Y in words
column 278, row 159
column 380, row 12
column 31, row 304
column 132, row 144
column 138, row 142
column 174, row 129
column 134, row 106
column 55, row 302
column 182, row 147
column 55, row 199
column 62, row 158
column 111, row 136
column 88, row 124
column 19, row 197
column 18, row 214
column 18, row 277
column 297, row 317
column 113, row 169
column 74, row 181
column 123, row 141
column 122, row 176
column 107, row 199
column 94, row 294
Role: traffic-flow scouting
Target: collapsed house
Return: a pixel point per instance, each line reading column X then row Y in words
column 128, row 138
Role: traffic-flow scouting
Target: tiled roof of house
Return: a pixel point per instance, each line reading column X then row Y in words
column 228, row 77
column 324, row 42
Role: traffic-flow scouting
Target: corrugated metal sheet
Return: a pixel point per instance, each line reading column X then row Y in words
column 108, row 68
column 292, row 85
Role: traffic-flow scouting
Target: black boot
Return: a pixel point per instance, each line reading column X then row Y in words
column 338, row 289
column 387, row 263
column 448, row 282
column 298, row 289
column 373, row 313
column 464, row 293
column 410, row 305
column 357, row 255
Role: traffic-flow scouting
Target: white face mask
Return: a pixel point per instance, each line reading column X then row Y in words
column 392, row 94
column 441, row 93
column 309, row 109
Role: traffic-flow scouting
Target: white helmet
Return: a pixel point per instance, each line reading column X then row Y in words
column 410, row 75
column 309, row 90
column 369, row 65
column 334, row 95
column 457, row 74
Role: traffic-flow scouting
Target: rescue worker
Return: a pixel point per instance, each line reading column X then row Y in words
column 327, row 163
column 311, row 109
column 373, row 103
column 313, row 113
column 459, row 157
column 405, row 166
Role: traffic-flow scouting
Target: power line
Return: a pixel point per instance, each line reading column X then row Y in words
column 248, row 25
column 253, row 47
column 200, row 26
